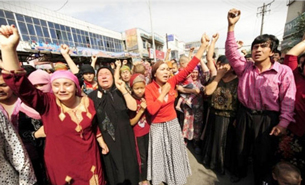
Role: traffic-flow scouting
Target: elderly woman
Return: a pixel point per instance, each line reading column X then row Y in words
column 167, row 157
column 193, row 116
column 112, row 101
column 71, row 151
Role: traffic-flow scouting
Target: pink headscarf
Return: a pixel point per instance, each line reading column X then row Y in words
column 67, row 75
column 37, row 77
column 41, row 77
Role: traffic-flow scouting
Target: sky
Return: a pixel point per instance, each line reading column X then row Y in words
column 187, row 19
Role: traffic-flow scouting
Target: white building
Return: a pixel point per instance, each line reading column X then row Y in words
column 44, row 30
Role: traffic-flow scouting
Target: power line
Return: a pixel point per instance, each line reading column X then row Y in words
column 62, row 6
column 263, row 9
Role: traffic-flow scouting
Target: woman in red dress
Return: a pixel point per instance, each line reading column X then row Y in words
column 71, row 152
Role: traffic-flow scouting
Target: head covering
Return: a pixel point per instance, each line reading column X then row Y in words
column 108, row 106
column 66, row 75
column 124, row 68
column 60, row 66
column 111, row 70
column 86, row 68
column 137, row 77
column 41, row 77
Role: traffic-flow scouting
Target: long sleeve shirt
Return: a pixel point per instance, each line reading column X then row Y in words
column 273, row 89
column 164, row 111
column 298, row 127
column 15, row 165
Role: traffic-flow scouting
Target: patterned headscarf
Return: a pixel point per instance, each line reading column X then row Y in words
column 124, row 68
column 137, row 77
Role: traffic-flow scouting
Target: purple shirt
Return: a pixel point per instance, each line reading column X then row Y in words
column 273, row 89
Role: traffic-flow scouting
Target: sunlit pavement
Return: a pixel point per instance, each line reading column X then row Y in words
column 202, row 176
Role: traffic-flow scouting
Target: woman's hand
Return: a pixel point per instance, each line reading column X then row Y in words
column 143, row 104
column 9, row 37
column 120, row 84
column 165, row 88
column 64, row 49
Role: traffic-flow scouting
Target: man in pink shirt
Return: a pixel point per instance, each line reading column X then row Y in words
column 266, row 91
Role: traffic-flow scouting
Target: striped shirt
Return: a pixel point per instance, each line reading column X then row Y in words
column 273, row 89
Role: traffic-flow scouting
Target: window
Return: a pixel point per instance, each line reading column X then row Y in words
column 38, row 31
column 36, row 21
column 31, row 29
column 58, row 35
column 25, row 37
column 28, row 19
column 20, row 17
column 9, row 15
column 2, row 21
column 22, row 28
column 43, row 23
column 57, row 26
column 1, row 13
column 62, row 27
column 51, row 25
column 45, row 32
column 34, row 38
column 11, row 21
column 53, row 34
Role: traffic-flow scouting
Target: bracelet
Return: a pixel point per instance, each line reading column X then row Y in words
column 125, row 93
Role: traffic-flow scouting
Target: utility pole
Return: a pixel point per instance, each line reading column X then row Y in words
column 152, row 32
column 262, row 10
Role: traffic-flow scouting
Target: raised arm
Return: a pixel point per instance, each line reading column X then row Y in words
column 211, row 87
column 117, row 70
column 168, row 52
column 13, row 75
column 93, row 61
column 9, row 38
column 210, row 53
column 237, row 61
column 293, row 53
column 64, row 49
column 191, row 53
column 193, row 63
column 130, row 101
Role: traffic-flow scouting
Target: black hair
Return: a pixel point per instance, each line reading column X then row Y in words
column 222, row 59
column 214, row 55
column 29, row 69
column 278, row 51
column 274, row 42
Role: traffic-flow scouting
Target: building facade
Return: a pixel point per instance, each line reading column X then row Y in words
column 43, row 29
column 295, row 14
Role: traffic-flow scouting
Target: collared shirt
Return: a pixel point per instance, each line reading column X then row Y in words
column 15, row 165
column 273, row 89
column 14, row 117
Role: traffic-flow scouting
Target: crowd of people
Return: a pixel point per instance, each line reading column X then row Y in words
column 130, row 123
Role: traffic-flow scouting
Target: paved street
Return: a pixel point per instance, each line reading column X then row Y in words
column 203, row 176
